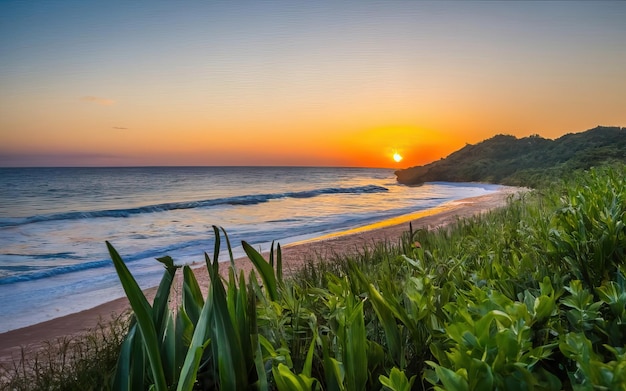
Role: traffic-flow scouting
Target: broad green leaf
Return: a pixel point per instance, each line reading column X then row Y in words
column 266, row 272
column 231, row 368
column 333, row 369
column 308, row 362
column 388, row 321
column 189, row 372
column 121, row 381
column 242, row 318
column 255, row 340
column 480, row 376
column 355, row 344
column 286, row 380
column 192, row 295
column 139, row 370
column 199, row 342
column 185, row 328
column 397, row 381
column 168, row 351
column 451, row 380
column 184, row 334
column 143, row 313
column 161, row 316
column 161, row 299
column 544, row 307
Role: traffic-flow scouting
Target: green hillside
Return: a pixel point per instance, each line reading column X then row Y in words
column 527, row 161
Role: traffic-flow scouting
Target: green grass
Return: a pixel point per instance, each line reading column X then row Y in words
column 529, row 296
column 85, row 362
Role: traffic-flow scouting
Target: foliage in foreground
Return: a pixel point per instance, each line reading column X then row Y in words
column 530, row 296
column 84, row 362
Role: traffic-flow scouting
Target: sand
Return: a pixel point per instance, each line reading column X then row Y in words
column 295, row 255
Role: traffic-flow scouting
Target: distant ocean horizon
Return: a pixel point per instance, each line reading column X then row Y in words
column 54, row 222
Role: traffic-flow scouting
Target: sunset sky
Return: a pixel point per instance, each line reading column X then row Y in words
column 86, row 83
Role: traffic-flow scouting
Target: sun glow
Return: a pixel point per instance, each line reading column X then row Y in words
column 397, row 157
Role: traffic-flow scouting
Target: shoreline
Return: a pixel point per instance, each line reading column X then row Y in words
column 295, row 255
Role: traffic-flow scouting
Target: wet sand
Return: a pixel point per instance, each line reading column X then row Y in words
column 295, row 255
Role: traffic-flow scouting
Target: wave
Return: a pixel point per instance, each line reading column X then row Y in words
column 54, row 271
column 251, row 199
column 40, row 273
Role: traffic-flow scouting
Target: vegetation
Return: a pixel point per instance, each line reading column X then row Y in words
column 528, row 297
column 84, row 362
column 530, row 161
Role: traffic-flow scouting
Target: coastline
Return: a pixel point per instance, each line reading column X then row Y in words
column 295, row 255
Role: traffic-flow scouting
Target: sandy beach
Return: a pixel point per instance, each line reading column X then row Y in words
column 294, row 256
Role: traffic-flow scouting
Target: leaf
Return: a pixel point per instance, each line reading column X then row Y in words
column 230, row 251
column 308, row 362
column 544, row 307
column 388, row 321
column 255, row 338
column 192, row 295
column 231, row 368
column 333, row 369
column 161, row 299
column 451, row 380
column 161, row 316
column 279, row 264
column 397, row 381
column 286, row 380
column 189, row 372
column 355, row 344
column 143, row 314
column 121, row 380
column 266, row 272
column 480, row 376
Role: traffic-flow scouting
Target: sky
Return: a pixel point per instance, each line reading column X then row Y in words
column 350, row 83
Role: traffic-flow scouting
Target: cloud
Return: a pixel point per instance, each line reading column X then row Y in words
column 97, row 100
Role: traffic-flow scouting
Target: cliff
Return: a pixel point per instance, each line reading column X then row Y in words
column 523, row 162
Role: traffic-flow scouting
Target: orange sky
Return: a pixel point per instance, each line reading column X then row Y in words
column 316, row 84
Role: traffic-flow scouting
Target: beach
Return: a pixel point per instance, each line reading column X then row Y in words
column 295, row 255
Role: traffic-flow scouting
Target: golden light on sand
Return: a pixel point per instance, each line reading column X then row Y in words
column 397, row 157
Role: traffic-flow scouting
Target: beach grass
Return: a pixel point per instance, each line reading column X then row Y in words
column 528, row 296
column 84, row 362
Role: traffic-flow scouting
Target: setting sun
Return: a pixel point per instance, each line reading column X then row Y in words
column 397, row 157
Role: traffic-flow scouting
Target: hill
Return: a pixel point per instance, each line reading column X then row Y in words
column 526, row 161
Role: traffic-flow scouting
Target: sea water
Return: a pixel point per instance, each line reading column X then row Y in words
column 54, row 222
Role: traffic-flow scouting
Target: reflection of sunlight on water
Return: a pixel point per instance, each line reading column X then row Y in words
column 384, row 223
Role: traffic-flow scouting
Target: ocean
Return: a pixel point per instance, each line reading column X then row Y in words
column 54, row 222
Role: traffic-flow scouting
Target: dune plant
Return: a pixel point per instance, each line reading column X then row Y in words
column 207, row 342
column 588, row 233
column 82, row 362
column 531, row 296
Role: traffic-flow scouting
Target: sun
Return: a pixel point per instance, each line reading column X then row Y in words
column 397, row 157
